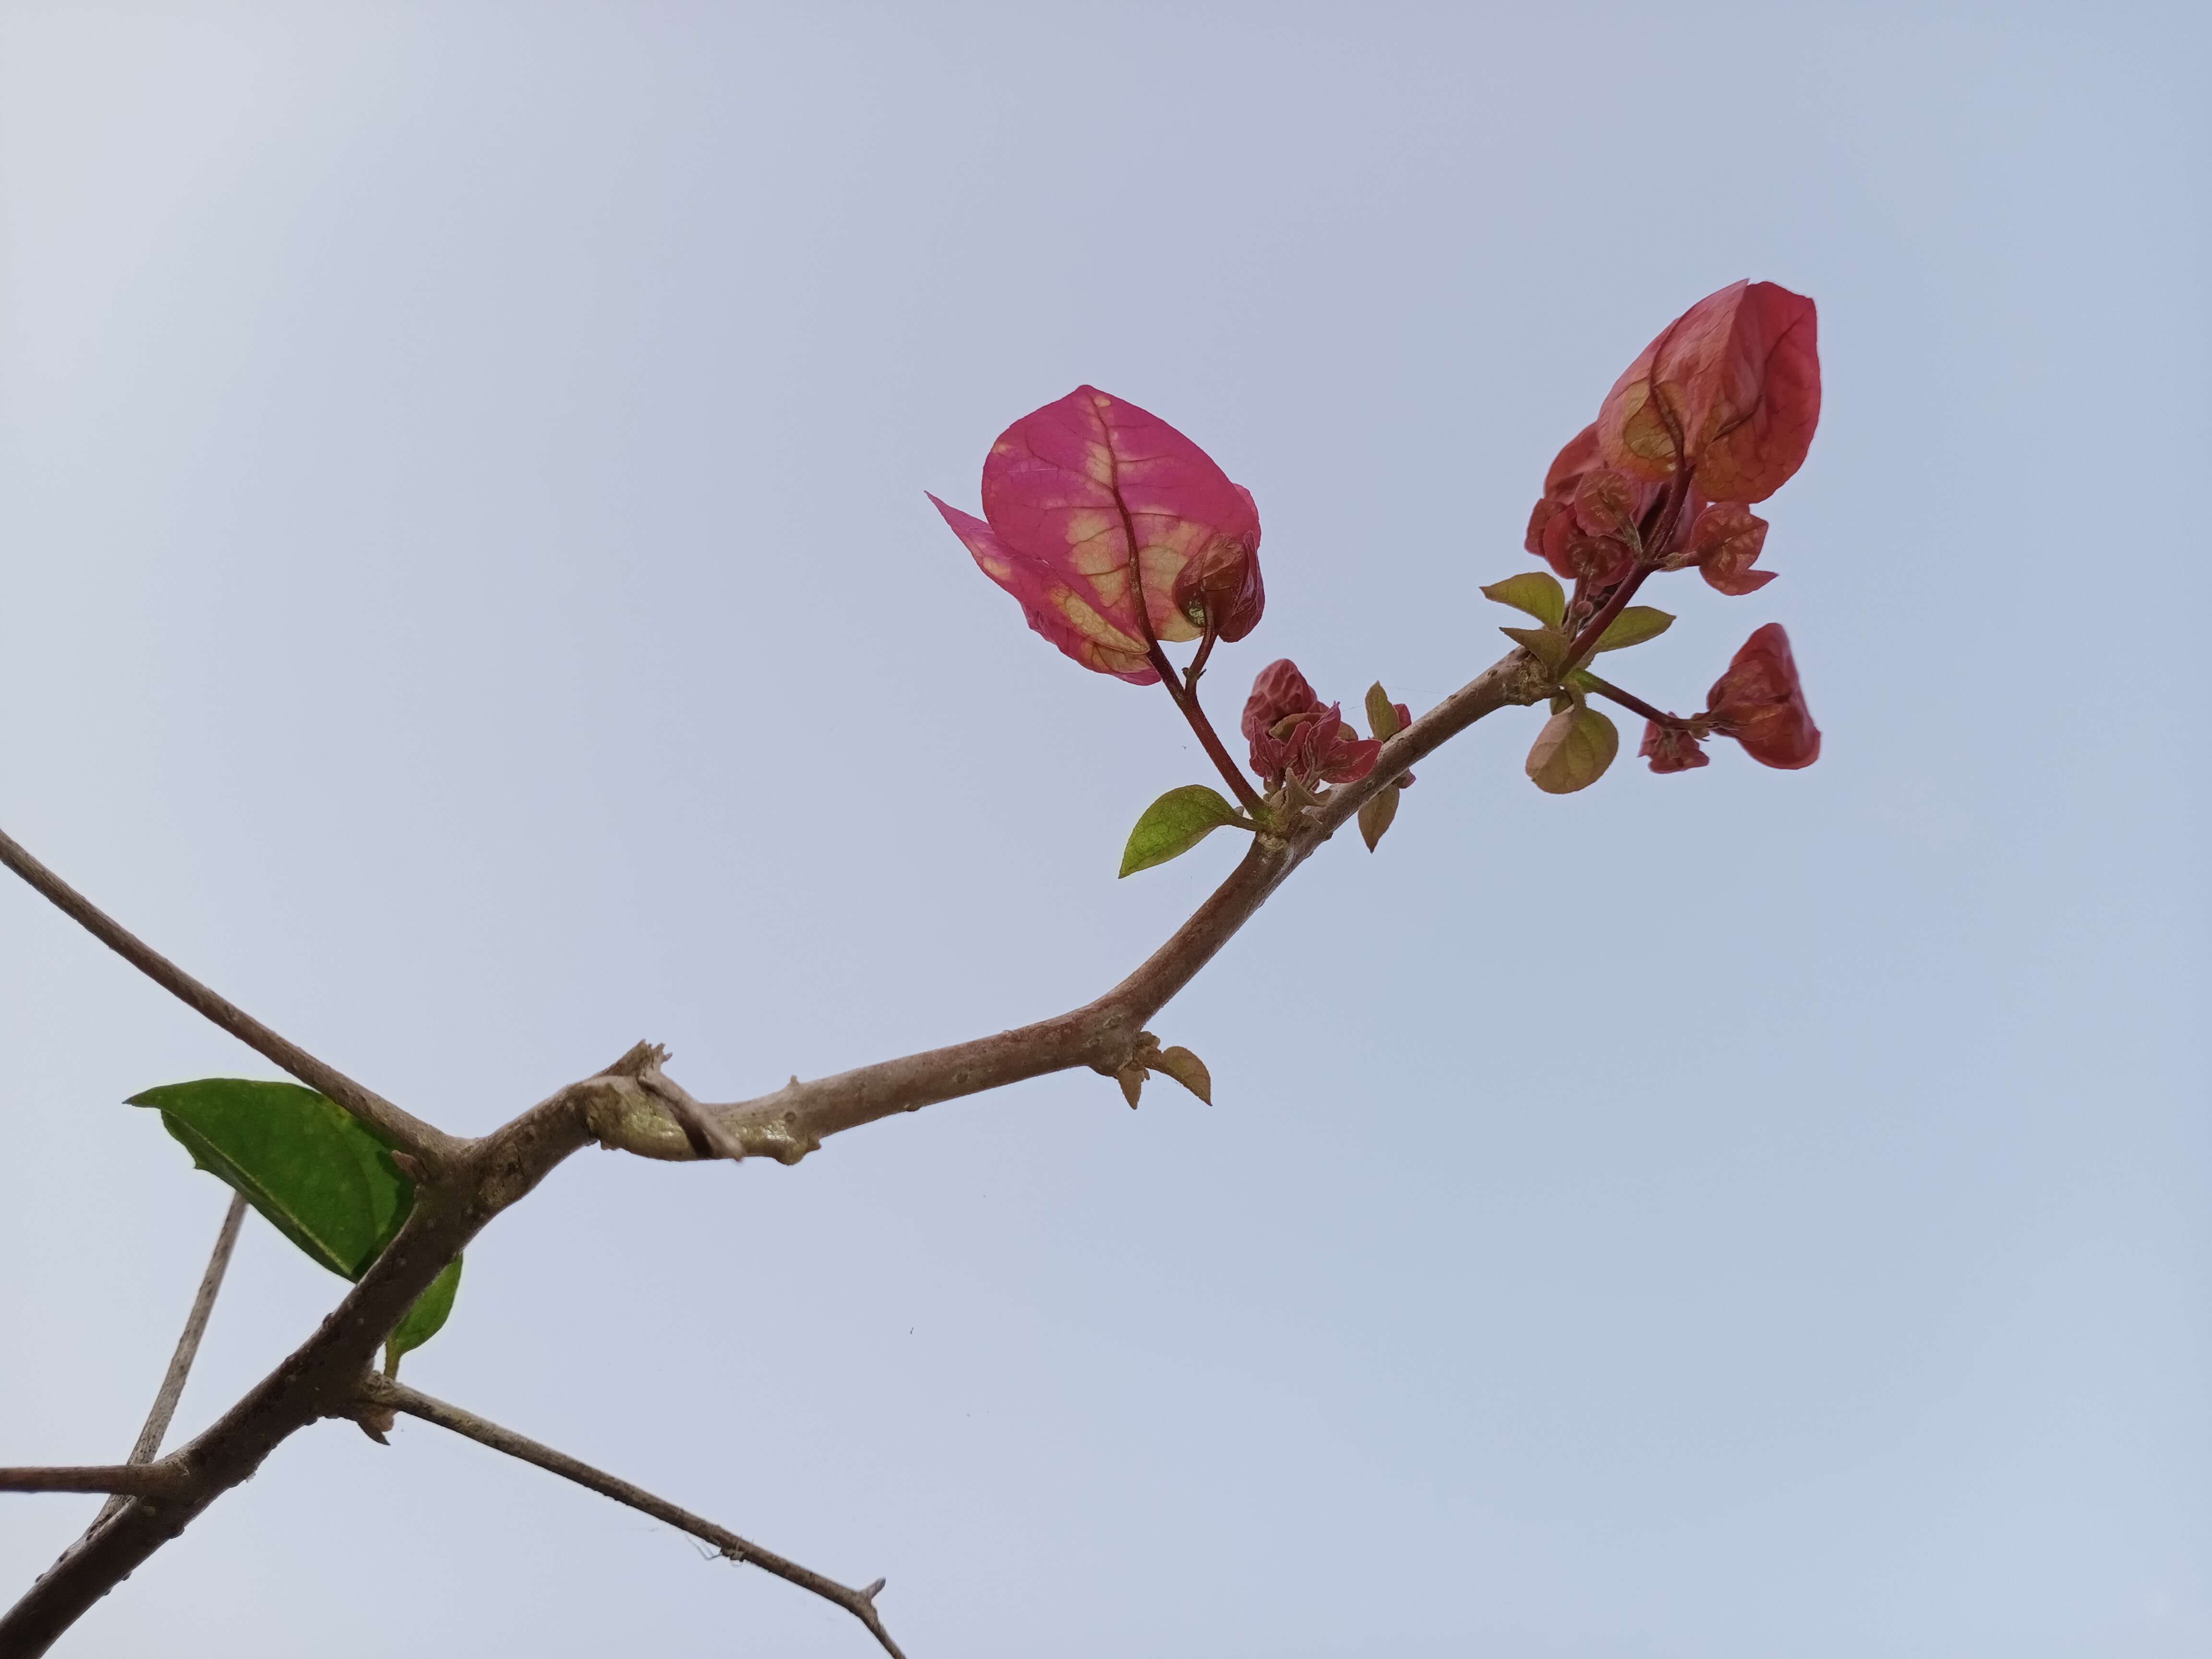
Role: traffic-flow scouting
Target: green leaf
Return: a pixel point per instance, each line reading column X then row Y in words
column 1375, row 813
column 1382, row 713
column 425, row 1319
column 1572, row 751
column 1536, row 591
column 1174, row 823
column 1548, row 645
column 1634, row 625
column 324, row 1182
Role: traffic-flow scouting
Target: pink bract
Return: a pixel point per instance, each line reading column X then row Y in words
column 1586, row 539
column 1730, row 389
column 1723, row 544
column 1114, row 531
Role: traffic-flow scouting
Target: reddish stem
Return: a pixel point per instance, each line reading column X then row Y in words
column 1630, row 701
column 1187, row 700
column 1594, row 630
column 1198, row 663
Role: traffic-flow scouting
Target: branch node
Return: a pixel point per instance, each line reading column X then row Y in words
column 637, row 1059
column 707, row 1138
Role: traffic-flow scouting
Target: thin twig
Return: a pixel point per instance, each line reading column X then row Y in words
column 1630, row 701
column 188, row 1348
column 381, row 1392
column 1186, row 699
column 131, row 1480
column 402, row 1129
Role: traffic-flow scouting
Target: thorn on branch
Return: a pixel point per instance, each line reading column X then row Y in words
column 637, row 1059
column 376, row 1422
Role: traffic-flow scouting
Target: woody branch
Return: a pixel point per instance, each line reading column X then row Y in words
column 631, row 1105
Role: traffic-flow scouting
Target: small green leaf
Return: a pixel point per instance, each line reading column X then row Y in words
column 1548, row 645
column 322, row 1180
column 1572, row 751
column 1375, row 813
column 1174, row 823
column 1382, row 713
column 1638, row 624
column 1536, row 591
column 425, row 1319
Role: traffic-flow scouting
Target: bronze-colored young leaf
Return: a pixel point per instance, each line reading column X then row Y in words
column 1382, row 712
column 1548, row 645
column 1174, row 823
column 1572, row 751
column 1536, row 591
column 322, row 1180
column 1185, row 1068
column 1634, row 625
column 1376, row 814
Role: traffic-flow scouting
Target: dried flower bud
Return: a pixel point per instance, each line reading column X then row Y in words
column 1670, row 749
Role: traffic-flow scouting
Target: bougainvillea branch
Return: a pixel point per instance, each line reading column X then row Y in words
column 1101, row 1034
column 1118, row 536
column 324, row 1378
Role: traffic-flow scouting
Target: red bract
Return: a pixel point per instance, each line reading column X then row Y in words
column 1730, row 392
column 1585, row 526
column 1582, row 538
column 1759, row 703
column 1293, row 735
column 1724, row 543
column 1670, row 749
column 1114, row 531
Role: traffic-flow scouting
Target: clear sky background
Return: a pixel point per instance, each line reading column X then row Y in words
column 468, row 594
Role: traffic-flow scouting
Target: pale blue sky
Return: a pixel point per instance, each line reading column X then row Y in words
column 468, row 594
